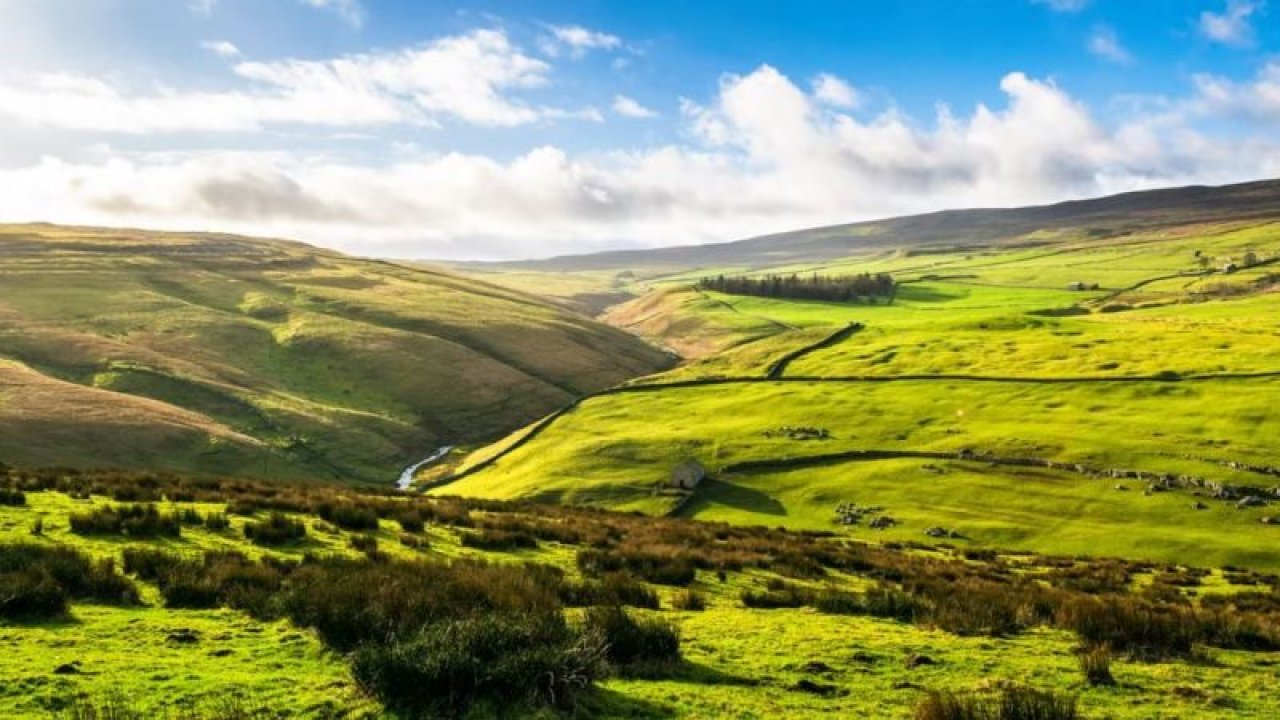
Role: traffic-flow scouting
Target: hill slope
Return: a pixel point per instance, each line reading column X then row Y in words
column 233, row 355
column 1112, row 216
column 989, row 397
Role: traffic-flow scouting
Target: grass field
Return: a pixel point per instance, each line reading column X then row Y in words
column 985, row 351
column 237, row 356
column 738, row 661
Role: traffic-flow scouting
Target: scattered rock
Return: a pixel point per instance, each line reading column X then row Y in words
column 1197, row 505
column 816, row 688
column 915, row 660
column 882, row 522
column 1249, row 501
column 183, row 637
column 71, row 668
column 1268, row 520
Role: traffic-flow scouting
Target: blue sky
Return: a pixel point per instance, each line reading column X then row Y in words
column 526, row 128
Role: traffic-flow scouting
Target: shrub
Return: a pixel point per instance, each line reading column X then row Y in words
column 616, row 589
column 148, row 563
column 1095, row 663
column 499, row 540
column 243, row 506
column 411, row 521
column 214, row 580
column 140, row 521
column 1131, row 626
column 498, row 660
column 835, row 602
column 777, row 595
column 12, row 498
column 366, row 544
column 277, row 529
column 630, row 641
column 216, row 522
column 885, row 602
column 351, row 602
column 38, row 580
column 662, row 569
column 1023, row 703
column 349, row 516
column 690, row 600
column 1012, row 703
column 30, row 594
column 190, row 516
column 976, row 607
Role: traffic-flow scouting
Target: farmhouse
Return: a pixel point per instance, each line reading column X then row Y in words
column 687, row 475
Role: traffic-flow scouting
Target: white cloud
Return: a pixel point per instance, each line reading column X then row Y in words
column 1069, row 6
column 577, row 40
column 1104, row 43
column 469, row 77
column 763, row 155
column 221, row 48
column 351, row 11
column 1232, row 26
column 628, row 107
column 1257, row 100
column 833, row 91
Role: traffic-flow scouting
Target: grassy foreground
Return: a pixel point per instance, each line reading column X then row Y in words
column 788, row 625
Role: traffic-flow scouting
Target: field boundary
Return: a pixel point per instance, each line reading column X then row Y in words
column 778, row 367
column 541, row 425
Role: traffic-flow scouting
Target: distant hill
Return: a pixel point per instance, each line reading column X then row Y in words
column 1102, row 217
column 233, row 355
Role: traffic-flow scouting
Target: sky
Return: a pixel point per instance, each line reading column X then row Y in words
column 503, row 129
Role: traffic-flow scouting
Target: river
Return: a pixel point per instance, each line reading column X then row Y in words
column 406, row 477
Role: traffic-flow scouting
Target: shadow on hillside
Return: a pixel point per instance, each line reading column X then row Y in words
column 611, row 703
column 919, row 293
column 698, row 674
column 713, row 492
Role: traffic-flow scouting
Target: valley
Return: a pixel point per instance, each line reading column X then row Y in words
column 1040, row 471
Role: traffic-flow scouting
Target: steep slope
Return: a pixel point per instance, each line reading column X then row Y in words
column 227, row 354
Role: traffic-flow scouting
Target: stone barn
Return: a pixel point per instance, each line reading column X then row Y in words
column 687, row 475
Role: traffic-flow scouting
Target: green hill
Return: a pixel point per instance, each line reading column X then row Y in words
column 989, row 397
column 231, row 355
column 1098, row 218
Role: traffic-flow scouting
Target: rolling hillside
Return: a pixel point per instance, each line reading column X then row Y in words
column 230, row 355
column 1099, row 218
column 990, row 398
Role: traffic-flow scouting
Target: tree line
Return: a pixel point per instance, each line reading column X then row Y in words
column 834, row 288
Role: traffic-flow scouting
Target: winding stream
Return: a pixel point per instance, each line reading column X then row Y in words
column 406, row 477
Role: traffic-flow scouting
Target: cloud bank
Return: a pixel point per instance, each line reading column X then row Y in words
column 764, row 153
